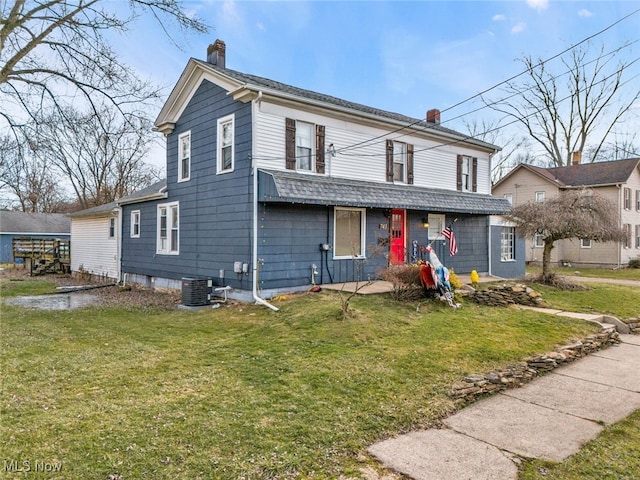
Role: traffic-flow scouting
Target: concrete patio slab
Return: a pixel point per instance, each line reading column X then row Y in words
column 524, row 428
column 588, row 400
column 444, row 455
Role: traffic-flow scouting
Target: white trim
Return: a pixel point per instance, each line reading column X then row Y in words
column 363, row 233
column 133, row 223
column 583, row 244
column 434, row 230
column 169, row 228
column 221, row 122
column 181, row 176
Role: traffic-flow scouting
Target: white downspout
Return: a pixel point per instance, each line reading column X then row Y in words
column 254, row 171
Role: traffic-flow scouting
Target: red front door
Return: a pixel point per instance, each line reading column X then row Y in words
column 398, row 245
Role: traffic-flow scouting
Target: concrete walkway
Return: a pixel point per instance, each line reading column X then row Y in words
column 550, row 418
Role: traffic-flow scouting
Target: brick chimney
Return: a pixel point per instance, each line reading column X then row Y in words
column 433, row 116
column 576, row 158
column 216, row 53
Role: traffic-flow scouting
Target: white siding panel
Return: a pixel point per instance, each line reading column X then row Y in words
column 91, row 248
column 360, row 150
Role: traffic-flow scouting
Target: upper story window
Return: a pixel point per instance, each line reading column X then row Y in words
column 539, row 197
column 112, row 227
column 627, row 198
column 304, row 156
column 225, row 154
column 304, row 144
column 184, row 156
column 467, row 174
column 167, row 242
column 135, row 224
column 399, row 162
column 509, row 197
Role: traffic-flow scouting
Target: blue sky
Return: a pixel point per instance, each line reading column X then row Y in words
column 407, row 57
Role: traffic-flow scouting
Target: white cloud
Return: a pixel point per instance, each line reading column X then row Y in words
column 518, row 28
column 538, row 4
column 499, row 18
column 585, row 13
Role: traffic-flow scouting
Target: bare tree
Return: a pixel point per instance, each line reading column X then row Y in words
column 101, row 154
column 53, row 54
column 563, row 117
column 513, row 149
column 572, row 214
column 34, row 184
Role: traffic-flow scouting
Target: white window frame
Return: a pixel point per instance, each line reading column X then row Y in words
column 538, row 240
column 135, row 222
column 363, row 233
column 638, row 200
column 400, row 161
column 585, row 243
column 637, row 236
column 627, row 235
column 166, row 248
column 539, row 196
column 228, row 120
column 301, row 139
column 184, row 155
column 509, row 197
column 112, row 227
column 626, row 198
column 466, row 173
column 508, row 244
column 436, row 225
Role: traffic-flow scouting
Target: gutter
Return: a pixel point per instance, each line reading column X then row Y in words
column 254, row 254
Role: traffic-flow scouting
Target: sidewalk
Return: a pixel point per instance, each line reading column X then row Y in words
column 549, row 418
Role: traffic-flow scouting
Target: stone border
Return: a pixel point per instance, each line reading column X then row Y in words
column 513, row 376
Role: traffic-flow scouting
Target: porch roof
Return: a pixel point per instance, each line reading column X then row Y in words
column 292, row 187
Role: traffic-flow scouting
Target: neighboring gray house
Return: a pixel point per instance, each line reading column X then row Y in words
column 271, row 188
column 30, row 225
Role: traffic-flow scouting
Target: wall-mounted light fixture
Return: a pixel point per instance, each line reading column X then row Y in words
column 425, row 223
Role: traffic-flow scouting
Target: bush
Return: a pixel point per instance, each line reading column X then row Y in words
column 634, row 262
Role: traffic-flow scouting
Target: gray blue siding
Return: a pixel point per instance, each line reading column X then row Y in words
column 509, row 269
column 215, row 210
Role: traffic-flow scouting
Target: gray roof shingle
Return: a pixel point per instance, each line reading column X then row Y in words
column 24, row 223
column 265, row 83
column 290, row 187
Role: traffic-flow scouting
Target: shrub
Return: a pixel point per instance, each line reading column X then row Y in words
column 634, row 262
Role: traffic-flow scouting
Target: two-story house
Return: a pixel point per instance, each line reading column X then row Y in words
column 272, row 188
column 619, row 181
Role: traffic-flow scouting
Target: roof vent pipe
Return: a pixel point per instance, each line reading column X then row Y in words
column 216, row 53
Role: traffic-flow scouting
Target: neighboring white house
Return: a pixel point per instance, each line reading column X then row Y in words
column 95, row 234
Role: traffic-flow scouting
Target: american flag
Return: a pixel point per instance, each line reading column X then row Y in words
column 453, row 246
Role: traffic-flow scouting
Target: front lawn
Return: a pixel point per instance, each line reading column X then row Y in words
column 241, row 391
column 619, row 273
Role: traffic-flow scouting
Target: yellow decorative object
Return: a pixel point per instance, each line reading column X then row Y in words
column 454, row 280
column 475, row 278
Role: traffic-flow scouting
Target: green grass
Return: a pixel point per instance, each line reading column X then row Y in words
column 617, row 300
column 620, row 273
column 614, row 455
column 241, row 391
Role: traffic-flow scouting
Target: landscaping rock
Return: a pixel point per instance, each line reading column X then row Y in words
column 504, row 295
column 517, row 375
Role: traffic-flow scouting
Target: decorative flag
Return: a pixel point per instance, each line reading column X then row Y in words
column 453, row 246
